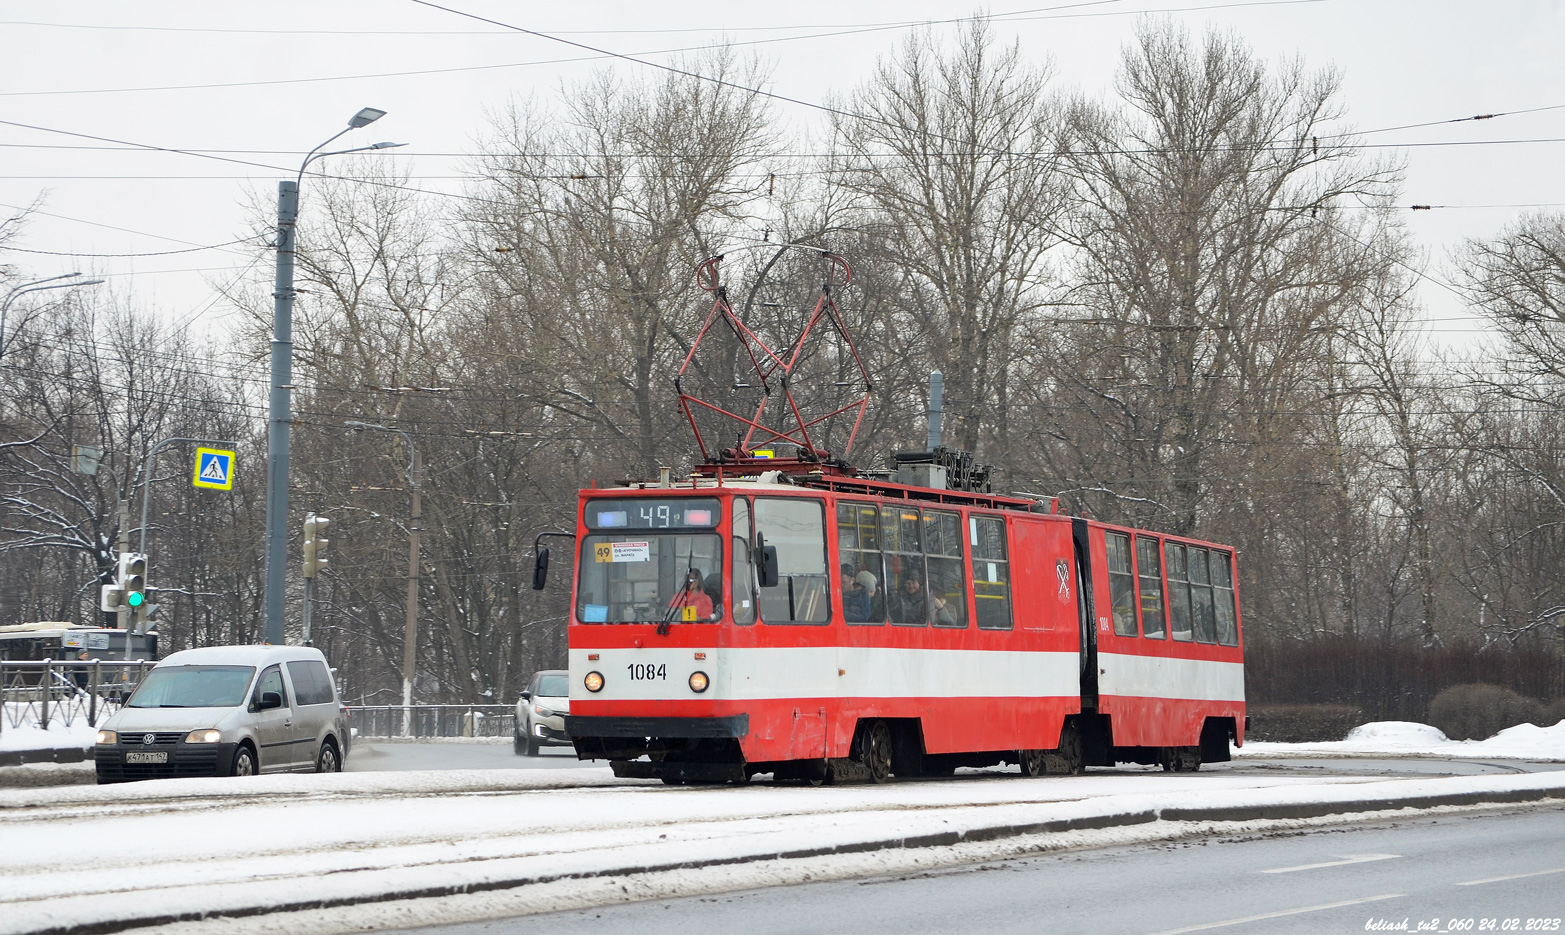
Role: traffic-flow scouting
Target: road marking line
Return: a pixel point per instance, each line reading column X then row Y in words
column 1342, row 862
column 1517, row 876
column 1277, row 915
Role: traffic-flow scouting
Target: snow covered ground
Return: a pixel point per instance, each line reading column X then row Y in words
column 1405, row 738
column 397, row 849
column 60, row 736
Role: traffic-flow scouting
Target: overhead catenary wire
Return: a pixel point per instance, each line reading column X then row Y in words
column 599, row 54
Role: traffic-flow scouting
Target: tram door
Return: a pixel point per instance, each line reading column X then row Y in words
column 1085, row 616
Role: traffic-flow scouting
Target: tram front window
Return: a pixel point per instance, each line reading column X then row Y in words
column 651, row 560
column 650, row 578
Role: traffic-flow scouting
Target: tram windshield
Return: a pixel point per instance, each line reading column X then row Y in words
column 651, row 561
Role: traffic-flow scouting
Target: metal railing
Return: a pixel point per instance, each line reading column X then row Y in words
column 433, row 720
column 35, row 694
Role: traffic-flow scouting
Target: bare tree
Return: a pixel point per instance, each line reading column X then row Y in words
column 952, row 155
column 1211, row 262
column 589, row 226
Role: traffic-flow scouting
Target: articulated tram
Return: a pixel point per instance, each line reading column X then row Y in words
column 837, row 628
column 782, row 612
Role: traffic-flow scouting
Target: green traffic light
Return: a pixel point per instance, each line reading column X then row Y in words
column 135, row 598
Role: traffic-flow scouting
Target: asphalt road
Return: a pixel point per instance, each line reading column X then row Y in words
column 1496, row 871
column 368, row 756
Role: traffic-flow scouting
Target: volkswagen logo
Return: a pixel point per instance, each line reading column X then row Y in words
column 148, row 738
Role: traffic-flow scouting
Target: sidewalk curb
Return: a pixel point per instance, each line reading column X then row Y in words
column 51, row 755
column 1279, row 811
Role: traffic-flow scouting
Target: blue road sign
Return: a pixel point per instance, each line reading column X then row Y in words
column 214, row 469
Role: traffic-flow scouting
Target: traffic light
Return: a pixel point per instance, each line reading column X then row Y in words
column 133, row 579
column 315, row 544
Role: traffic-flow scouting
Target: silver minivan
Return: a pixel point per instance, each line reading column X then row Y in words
column 227, row 711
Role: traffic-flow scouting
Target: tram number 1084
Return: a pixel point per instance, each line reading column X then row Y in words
column 646, row 672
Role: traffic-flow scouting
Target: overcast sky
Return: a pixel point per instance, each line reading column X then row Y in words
column 265, row 82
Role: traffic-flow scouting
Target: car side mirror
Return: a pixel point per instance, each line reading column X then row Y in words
column 527, row 696
column 767, row 572
column 541, row 569
column 269, row 700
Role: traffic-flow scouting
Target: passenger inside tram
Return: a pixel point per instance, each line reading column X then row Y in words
column 856, row 601
column 865, row 580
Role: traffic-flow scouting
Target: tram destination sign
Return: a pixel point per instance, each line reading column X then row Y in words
column 650, row 513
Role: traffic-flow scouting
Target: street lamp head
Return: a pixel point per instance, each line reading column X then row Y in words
column 356, row 425
column 365, row 117
column 386, row 145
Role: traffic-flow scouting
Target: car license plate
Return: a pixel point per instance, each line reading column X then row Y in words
column 159, row 757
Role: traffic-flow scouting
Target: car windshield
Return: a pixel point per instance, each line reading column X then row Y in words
column 193, row 687
column 554, row 686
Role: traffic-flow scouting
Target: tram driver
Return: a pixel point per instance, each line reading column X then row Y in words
column 693, row 595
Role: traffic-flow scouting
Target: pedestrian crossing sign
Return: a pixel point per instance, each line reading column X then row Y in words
column 214, row 469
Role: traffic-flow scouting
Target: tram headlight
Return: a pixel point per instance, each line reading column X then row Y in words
column 593, row 681
column 698, row 682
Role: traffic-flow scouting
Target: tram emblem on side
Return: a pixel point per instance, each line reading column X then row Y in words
column 1063, row 572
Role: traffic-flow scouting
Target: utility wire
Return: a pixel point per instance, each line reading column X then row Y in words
column 216, row 246
column 600, row 54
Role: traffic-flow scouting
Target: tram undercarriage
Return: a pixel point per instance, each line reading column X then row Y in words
column 882, row 748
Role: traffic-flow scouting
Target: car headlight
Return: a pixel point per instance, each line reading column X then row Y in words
column 698, row 682
column 204, row 736
column 593, row 681
column 108, row 736
column 541, row 711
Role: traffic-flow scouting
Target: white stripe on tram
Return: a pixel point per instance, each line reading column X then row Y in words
column 1125, row 675
column 825, row 672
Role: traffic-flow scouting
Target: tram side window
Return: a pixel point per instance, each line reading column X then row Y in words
column 797, row 528
column 1149, row 570
column 1223, row 599
column 1178, row 592
column 1122, row 584
column 907, row 600
column 858, row 548
column 1201, row 616
column 947, row 572
column 743, row 568
column 991, row 572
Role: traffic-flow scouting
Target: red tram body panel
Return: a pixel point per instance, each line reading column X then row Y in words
column 962, row 628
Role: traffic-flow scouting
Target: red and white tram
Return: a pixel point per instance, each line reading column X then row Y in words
column 800, row 618
column 851, row 628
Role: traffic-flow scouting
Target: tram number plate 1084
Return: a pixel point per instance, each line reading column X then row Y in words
column 646, row 672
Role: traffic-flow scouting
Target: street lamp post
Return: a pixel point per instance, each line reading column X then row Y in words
column 410, row 630
column 38, row 285
column 279, row 419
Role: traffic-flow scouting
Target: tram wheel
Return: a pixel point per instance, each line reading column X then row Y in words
column 877, row 751
column 1033, row 762
column 1069, row 758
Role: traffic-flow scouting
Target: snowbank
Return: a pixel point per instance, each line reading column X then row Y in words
column 1405, row 738
column 78, row 735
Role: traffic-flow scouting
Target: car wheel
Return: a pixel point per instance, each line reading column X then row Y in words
column 329, row 761
column 532, row 746
column 244, row 763
column 519, row 744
